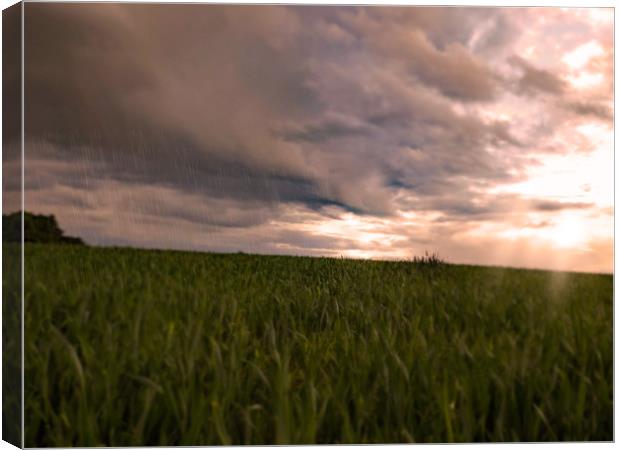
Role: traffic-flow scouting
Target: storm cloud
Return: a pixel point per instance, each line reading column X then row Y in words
column 252, row 128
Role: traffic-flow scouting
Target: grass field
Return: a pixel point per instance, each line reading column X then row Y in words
column 143, row 347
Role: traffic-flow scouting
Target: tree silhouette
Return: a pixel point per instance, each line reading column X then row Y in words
column 37, row 228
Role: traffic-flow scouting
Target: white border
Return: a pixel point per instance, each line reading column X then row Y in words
column 487, row 3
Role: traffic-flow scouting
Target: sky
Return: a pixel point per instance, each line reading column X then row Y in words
column 482, row 134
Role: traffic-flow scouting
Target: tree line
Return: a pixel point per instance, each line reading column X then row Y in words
column 37, row 228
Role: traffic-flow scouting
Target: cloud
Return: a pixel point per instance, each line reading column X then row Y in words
column 454, row 71
column 326, row 129
column 591, row 109
column 533, row 81
column 471, row 206
column 407, row 41
column 11, row 74
column 224, row 120
column 549, row 205
column 219, row 132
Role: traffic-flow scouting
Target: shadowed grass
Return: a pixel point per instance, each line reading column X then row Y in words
column 144, row 347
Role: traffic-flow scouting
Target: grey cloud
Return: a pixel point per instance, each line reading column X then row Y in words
column 454, row 71
column 11, row 109
column 11, row 75
column 139, row 117
column 443, row 26
column 469, row 206
column 549, row 206
column 495, row 34
column 590, row 109
column 500, row 134
column 115, row 203
column 541, row 224
column 325, row 130
column 219, row 179
column 431, row 44
column 210, row 213
column 533, row 80
column 110, row 72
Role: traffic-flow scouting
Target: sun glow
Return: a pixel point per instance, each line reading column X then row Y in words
column 578, row 176
column 577, row 62
column 582, row 55
column 568, row 231
column 586, row 80
column 362, row 237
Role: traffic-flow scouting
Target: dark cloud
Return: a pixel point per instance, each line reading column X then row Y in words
column 548, row 205
column 500, row 134
column 420, row 40
column 453, row 71
column 11, row 109
column 533, row 81
column 541, row 224
column 326, row 130
column 495, row 34
column 168, row 95
column 443, row 26
column 11, row 74
column 590, row 109
column 189, row 96
column 470, row 207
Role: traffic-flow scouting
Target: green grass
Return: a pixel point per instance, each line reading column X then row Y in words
column 129, row 347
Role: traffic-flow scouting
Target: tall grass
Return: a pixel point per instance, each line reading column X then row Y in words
column 133, row 347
